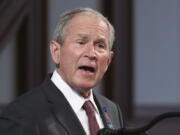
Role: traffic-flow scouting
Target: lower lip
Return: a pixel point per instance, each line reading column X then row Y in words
column 87, row 72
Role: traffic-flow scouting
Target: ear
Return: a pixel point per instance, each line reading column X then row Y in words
column 111, row 54
column 55, row 51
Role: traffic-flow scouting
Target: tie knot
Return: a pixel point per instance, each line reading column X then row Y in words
column 88, row 107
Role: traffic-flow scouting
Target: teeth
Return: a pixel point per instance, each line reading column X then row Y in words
column 86, row 68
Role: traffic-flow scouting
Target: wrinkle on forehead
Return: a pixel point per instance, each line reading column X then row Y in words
column 93, row 20
column 89, row 22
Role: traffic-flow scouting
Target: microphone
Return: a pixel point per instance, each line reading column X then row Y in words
column 141, row 130
column 122, row 131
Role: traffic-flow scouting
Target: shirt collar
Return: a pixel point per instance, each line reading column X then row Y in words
column 75, row 100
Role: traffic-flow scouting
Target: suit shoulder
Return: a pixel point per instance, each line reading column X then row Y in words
column 102, row 98
column 112, row 108
column 26, row 104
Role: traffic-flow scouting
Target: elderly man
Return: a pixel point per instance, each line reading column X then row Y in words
column 65, row 104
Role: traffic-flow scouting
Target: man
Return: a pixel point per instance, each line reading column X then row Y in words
column 81, row 50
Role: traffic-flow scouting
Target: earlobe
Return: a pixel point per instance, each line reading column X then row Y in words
column 55, row 51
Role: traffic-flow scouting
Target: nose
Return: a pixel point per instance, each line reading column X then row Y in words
column 91, row 52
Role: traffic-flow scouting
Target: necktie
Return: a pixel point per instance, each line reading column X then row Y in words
column 93, row 125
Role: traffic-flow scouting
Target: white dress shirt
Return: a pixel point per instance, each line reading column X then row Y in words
column 76, row 101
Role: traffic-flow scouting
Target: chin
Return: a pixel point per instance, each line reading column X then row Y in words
column 87, row 86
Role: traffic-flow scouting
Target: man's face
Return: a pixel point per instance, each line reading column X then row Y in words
column 85, row 54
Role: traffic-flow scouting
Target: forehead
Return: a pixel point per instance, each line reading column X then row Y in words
column 89, row 23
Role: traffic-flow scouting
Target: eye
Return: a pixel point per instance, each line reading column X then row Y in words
column 81, row 42
column 100, row 45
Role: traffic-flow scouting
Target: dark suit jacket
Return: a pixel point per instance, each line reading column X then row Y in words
column 45, row 111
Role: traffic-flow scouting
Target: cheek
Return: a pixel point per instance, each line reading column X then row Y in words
column 103, row 64
column 68, row 60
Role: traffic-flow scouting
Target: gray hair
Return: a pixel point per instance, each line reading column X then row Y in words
column 60, row 32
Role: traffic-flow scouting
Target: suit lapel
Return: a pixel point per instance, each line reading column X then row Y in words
column 62, row 110
column 104, row 111
column 68, row 118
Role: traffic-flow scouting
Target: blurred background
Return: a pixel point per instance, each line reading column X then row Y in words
column 144, row 77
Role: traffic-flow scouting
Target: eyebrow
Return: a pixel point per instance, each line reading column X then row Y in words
column 84, row 36
column 101, row 40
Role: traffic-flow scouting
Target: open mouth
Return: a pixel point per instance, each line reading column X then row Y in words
column 87, row 68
